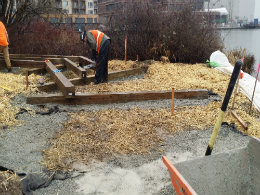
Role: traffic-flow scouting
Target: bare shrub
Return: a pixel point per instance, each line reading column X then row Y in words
column 182, row 36
column 249, row 59
column 44, row 38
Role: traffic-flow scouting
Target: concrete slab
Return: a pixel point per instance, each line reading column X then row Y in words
column 233, row 172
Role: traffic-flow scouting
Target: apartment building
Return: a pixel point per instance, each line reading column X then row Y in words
column 108, row 8
column 78, row 13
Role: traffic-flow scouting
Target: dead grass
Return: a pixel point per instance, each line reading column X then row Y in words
column 101, row 135
column 10, row 86
column 10, row 183
column 165, row 77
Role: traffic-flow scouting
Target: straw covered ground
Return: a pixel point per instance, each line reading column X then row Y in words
column 12, row 84
column 10, row 183
column 101, row 135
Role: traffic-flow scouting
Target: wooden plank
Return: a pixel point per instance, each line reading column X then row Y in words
column 85, row 61
column 31, row 55
column 53, row 86
column 242, row 123
column 81, row 72
column 43, row 70
column 111, row 76
column 25, row 63
column 67, row 88
column 117, row 97
column 39, row 57
column 125, row 73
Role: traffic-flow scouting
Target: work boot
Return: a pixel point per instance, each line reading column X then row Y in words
column 105, row 80
column 96, row 82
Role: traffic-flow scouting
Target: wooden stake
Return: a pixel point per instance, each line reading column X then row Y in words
column 172, row 101
column 125, row 48
column 27, row 79
column 242, row 123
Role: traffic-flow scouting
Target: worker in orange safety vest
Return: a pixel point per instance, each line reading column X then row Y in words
column 4, row 42
column 99, row 43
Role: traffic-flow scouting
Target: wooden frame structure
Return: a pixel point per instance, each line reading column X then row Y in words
column 53, row 64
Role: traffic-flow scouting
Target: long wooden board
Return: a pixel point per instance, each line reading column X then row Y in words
column 40, row 57
column 111, row 76
column 43, row 70
column 67, row 88
column 25, row 63
column 117, row 97
column 81, row 72
column 85, row 61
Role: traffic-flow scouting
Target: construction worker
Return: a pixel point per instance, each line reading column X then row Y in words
column 99, row 43
column 4, row 42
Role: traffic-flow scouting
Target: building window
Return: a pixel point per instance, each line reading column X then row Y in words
column 65, row 3
column 82, row 11
column 90, row 5
column 89, row 20
column 79, row 23
column 75, row 4
column 68, row 20
column 80, row 20
column 95, row 20
column 82, row 5
column 54, row 20
column 90, row 12
column 75, row 11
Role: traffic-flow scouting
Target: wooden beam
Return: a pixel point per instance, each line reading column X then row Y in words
column 67, row 88
column 81, row 72
column 25, row 63
column 31, row 55
column 117, row 97
column 242, row 123
column 78, row 81
column 85, row 61
column 125, row 73
column 43, row 70
column 39, row 57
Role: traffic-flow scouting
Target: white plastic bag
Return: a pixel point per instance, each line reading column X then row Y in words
column 218, row 59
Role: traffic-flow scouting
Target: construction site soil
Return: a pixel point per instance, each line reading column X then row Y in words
column 33, row 141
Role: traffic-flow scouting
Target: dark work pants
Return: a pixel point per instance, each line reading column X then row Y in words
column 102, row 63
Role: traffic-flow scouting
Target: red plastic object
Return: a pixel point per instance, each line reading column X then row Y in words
column 180, row 185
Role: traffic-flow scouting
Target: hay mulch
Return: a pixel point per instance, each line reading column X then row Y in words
column 17, row 84
column 117, row 65
column 101, row 135
column 10, row 183
column 162, row 76
column 165, row 77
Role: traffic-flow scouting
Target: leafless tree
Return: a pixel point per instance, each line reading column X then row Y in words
column 19, row 11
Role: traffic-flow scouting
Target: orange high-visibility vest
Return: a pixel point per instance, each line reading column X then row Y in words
column 3, row 35
column 98, row 37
